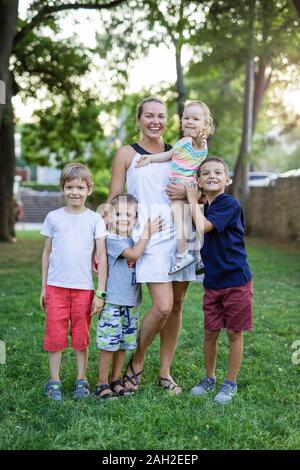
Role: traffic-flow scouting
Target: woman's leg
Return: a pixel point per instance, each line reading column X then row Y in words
column 169, row 334
column 153, row 322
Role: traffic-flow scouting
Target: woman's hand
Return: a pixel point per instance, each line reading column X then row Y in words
column 176, row 191
column 143, row 161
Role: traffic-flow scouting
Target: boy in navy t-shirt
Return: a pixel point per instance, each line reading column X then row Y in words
column 228, row 291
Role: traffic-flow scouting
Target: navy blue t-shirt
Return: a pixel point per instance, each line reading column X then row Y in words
column 223, row 252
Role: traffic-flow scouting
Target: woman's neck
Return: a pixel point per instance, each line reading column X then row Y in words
column 151, row 145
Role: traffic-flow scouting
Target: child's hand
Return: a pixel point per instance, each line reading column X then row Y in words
column 201, row 140
column 192, row 193
column 43, row 299
column 143, row 161
column 97, row 305
column 156, row 225
column 95, row 263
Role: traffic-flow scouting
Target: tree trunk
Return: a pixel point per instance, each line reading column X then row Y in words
column 7, row 169
column 240, row 187
column 181, row 91
column 297, row 6
column 8, row 21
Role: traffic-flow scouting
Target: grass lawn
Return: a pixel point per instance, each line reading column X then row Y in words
column 263, row 415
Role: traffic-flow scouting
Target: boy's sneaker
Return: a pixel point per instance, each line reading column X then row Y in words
column 81, row 389
column 207, row 384
column 227, row 392
column 53, row 390
column 182, row 262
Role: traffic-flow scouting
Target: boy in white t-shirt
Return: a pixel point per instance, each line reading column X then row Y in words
column 67, row 286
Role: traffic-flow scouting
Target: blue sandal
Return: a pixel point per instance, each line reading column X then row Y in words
column 53, row 390
column 81, row 389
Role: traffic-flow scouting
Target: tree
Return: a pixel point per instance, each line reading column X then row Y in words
column 12, row 35
column 225, row 51
column 142, row 24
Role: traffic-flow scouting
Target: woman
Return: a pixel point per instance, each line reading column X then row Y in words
column 149, row 186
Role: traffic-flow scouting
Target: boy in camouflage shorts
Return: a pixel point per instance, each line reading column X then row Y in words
column 118, row 322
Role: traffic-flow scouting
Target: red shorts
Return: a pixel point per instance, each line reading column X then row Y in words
column 229, row 308
column 64, row 306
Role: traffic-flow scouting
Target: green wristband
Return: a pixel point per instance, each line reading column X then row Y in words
column 101, row 294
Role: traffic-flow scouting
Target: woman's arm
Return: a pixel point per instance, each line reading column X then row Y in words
column 45, row 267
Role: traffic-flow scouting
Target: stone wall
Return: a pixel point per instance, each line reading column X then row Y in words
column 274, row 211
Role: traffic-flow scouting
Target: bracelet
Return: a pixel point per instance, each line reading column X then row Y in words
column 101, row 294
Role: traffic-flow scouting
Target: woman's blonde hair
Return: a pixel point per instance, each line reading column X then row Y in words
column 209, row 129
column 76, row 170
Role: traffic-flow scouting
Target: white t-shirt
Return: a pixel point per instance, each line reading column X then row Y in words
column 73, row 238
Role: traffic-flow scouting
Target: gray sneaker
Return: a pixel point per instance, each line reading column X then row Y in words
column 207, row 384
column 81, row 389
column 226, row 392
column 53, row 390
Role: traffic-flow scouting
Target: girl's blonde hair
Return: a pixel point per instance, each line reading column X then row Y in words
column 76, row 170
column 209, row 129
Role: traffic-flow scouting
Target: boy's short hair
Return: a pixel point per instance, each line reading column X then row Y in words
column 124, row 197
column 214, row 159
column 76, row 170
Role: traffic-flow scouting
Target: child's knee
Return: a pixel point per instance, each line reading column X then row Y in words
column 211, row 336
column 234, row 335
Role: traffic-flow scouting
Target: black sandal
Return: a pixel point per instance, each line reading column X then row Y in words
column 170, row 385
column 106, row 396
column 128, row 378
column 124, row 391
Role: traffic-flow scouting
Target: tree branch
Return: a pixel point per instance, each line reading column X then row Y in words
column 47, row 11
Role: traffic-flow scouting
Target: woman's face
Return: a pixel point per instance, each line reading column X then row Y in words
column 153, row 120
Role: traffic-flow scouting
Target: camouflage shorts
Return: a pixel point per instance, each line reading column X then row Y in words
column 117, row 328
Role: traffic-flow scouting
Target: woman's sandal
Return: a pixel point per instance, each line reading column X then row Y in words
column 124, row 392
column 110, row 395
column 128, row 378
column 168, row 384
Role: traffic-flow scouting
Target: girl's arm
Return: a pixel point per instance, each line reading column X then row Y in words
column 45, row 267
column 151, row 227
column 101, row 254
column 154, row 158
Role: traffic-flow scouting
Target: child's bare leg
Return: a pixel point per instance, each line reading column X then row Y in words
column 104, row 363
column 236, row 348
column 210, row 352
column 82, row 360
column 54, row 359
column 118, row 361
column 179, row 219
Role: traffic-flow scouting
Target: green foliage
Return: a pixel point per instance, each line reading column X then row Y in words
column 66, row 131
column 263, row 415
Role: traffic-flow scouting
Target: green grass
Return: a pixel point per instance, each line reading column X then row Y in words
column 263, row 415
